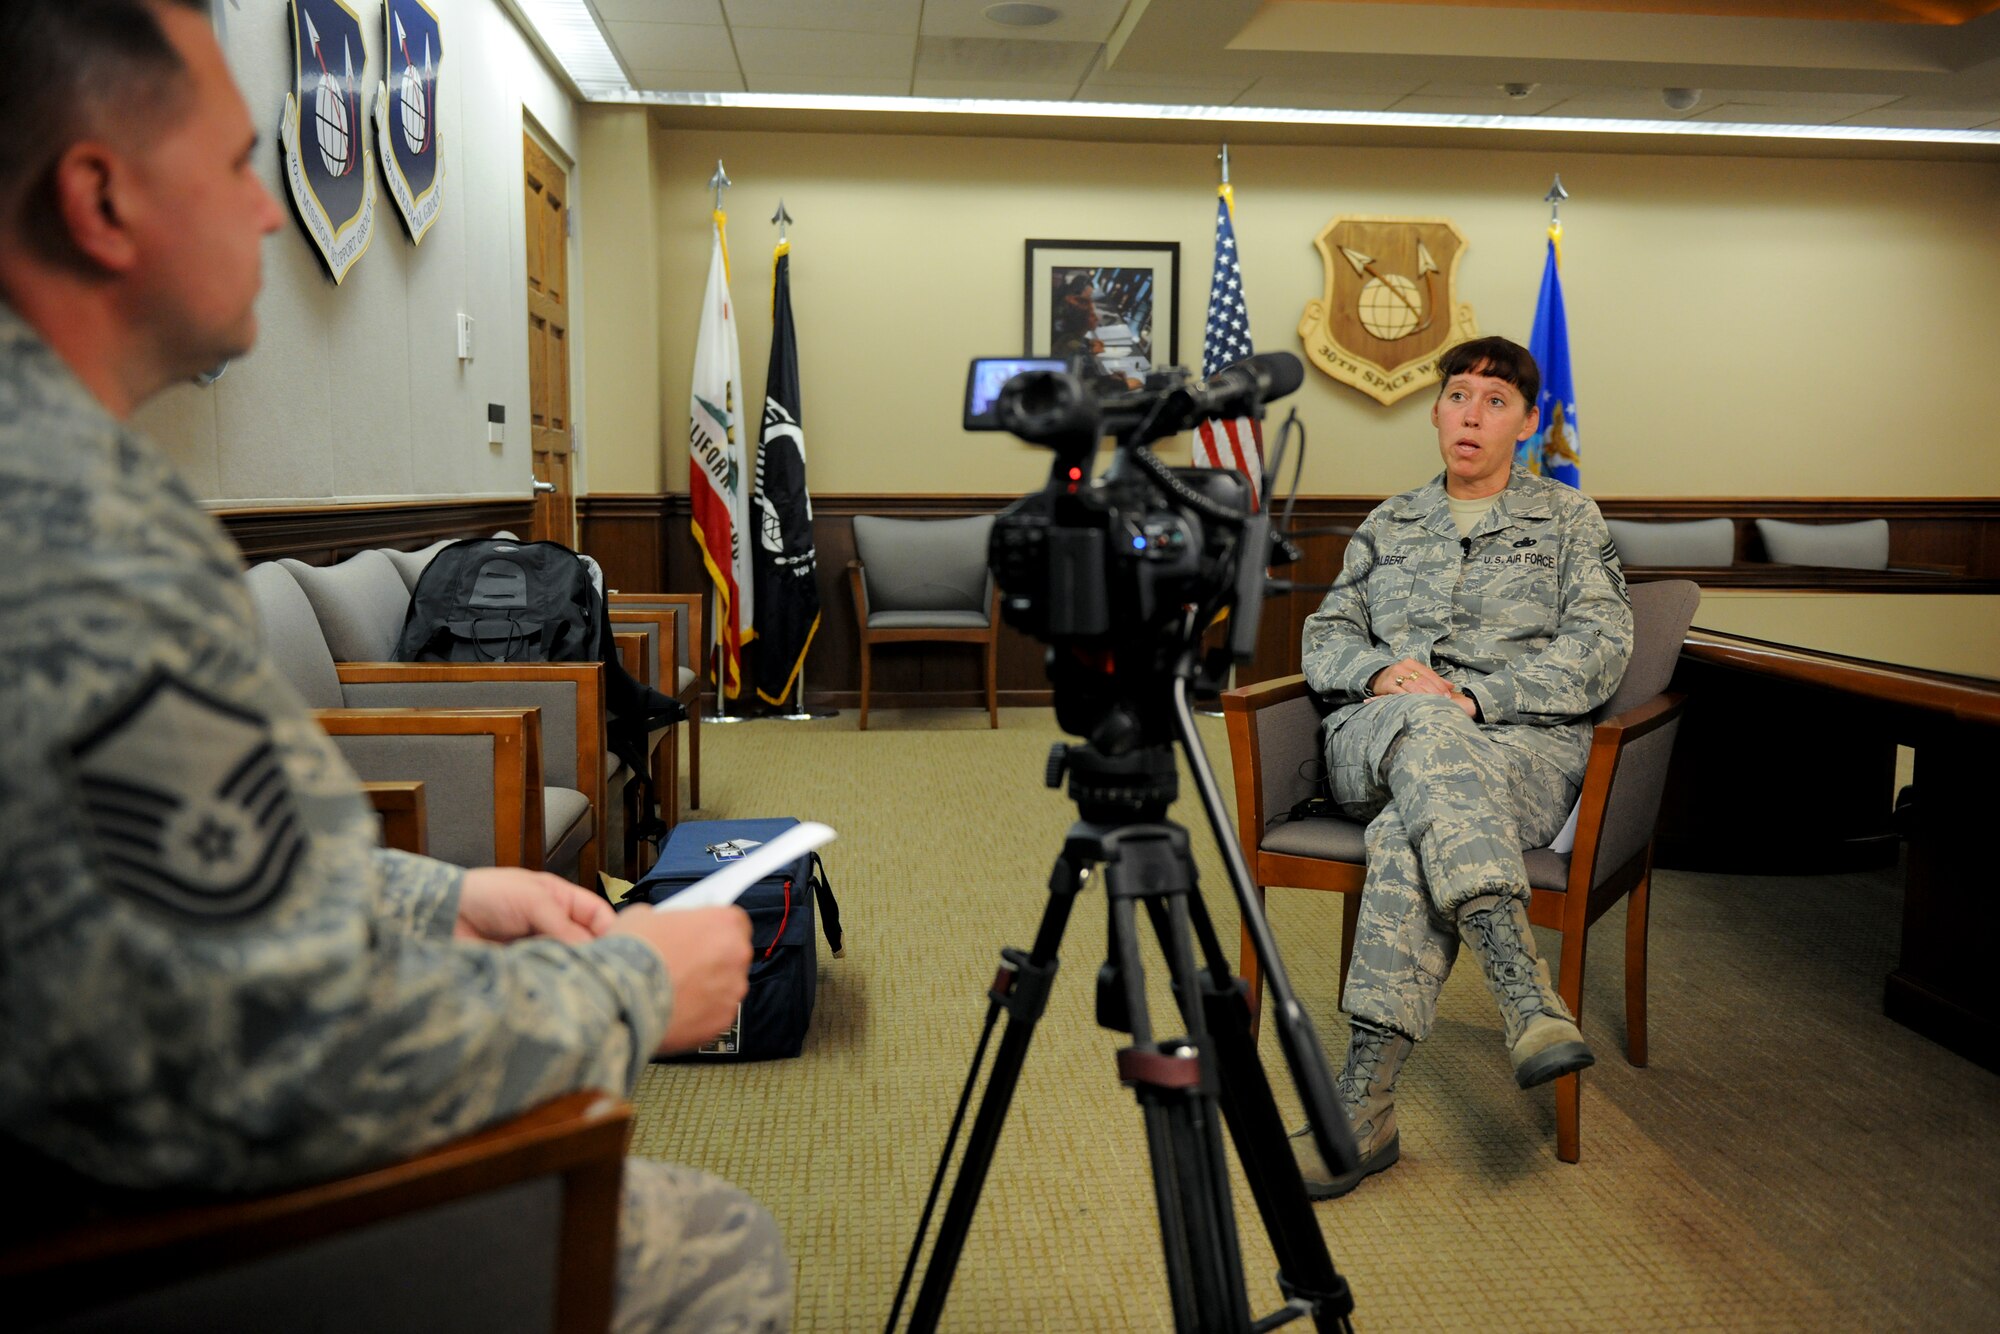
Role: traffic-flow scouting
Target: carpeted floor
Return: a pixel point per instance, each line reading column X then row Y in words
column 1790, row 1160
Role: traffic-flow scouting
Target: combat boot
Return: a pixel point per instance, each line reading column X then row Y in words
column 1367, row 1090
column 1542, row 1036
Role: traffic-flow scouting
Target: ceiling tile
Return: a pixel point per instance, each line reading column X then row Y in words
column 897, row 16
column 1758, row 113
column 850, row 85
column 1023, row 62
column 687, row 81
column 1080, row 21
column 1327, row 94
column 1495, row 104
column 1165, row 92
column 1001, row 88
column 869, row 55
column 1898, row 119
column 659, row 11
column 673, row 46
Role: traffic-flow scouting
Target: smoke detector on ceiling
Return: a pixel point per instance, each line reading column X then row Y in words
column 1517, row 91
column 1680, row 99
column 1015, row 14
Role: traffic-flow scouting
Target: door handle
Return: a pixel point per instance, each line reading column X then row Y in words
column 541, row 488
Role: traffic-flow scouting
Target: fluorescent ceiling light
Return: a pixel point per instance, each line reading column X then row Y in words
column 568, row 30
column 968, row 106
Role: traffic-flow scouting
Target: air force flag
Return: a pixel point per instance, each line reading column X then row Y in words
column 1552, row 450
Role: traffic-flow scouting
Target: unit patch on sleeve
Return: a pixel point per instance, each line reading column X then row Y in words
column 186, row 804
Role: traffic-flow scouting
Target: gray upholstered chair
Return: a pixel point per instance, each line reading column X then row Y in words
column 1679, row 546
column 516, row 1226
column 491, row 748
column 1862, row 545
column 925, row 579
column 1274, row 742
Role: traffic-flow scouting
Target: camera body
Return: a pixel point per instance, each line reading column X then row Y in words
column 1121, row 574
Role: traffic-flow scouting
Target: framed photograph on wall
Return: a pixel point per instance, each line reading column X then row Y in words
column 1117, row 301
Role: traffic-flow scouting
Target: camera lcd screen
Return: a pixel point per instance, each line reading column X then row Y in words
column 985, row 380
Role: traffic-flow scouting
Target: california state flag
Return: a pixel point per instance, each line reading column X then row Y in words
column 717, row 483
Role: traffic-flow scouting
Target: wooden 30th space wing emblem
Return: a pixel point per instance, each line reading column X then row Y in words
column 1389, row 308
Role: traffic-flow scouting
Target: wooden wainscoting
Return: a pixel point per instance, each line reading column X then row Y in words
column 324, row 534
column 1941, row 545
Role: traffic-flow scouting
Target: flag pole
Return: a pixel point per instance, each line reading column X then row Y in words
column 1202, row 705
column 800, row 713
column 717, row 668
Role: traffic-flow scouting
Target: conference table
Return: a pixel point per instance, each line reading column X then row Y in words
column 1808, row 713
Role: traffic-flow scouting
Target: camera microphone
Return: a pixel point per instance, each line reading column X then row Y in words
column 1240, row 389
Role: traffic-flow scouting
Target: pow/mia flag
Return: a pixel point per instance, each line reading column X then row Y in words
column 186, row 803
column 784, row 559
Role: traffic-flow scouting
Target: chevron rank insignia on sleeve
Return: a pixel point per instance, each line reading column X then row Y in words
column 186, row 804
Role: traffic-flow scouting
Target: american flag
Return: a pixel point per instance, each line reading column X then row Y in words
column 1238, row 443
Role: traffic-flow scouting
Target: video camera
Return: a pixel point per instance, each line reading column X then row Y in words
column 1121, row 574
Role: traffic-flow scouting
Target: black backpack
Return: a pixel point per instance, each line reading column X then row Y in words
column 493, row 600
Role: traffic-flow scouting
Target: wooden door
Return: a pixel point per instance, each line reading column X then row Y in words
column 547, row 187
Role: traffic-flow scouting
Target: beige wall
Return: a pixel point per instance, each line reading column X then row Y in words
column 356, row 392
column 1740, row 326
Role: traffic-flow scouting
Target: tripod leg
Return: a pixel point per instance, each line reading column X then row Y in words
column 1305, row 1268
column 1023, row 994
column 1174, row 1081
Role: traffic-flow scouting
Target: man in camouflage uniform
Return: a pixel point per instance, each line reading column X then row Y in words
column 210, row 975
column 1476, row 623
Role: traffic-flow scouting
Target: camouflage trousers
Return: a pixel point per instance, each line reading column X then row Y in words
column 697, row 1254
column 1449, row 805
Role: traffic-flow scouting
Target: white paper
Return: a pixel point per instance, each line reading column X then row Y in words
column 738, row 874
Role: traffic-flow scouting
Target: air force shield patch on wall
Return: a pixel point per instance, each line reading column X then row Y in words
column 406, row 113
column 328, row 163
column 186, row 803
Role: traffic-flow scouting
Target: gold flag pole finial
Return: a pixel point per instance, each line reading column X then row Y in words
column 1224, row 156
column 718, row 183
column 783, row 220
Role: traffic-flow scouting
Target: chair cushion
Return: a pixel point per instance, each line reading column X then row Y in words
column 924, row 564
column 360, row 603
column 292, row 636
column 1335, row 840
column 1547, row 869
column 1702, row 542
column 1326, row 838
column 928, row 620
column 411, row 564
column 1847, row 546
column 566, row 828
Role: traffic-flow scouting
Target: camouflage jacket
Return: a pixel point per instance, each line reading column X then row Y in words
column 1529, row 615
column 210, row 974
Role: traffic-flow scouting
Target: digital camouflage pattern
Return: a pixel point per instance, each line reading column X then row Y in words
column 1529, row 616
column 210, row 974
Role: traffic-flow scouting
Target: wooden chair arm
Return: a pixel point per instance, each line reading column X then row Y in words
column 517, row 763
column 1262, row 695
column 634, row 649
column 859, row 584
column 127, row 1243
column 401, row 808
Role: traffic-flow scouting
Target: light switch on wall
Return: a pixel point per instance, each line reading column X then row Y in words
column 496, row 423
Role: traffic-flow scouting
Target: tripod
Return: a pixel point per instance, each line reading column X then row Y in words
column 1180, row 1082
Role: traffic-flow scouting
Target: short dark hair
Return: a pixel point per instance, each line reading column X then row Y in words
column 65, row 64
column 1501, row 358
